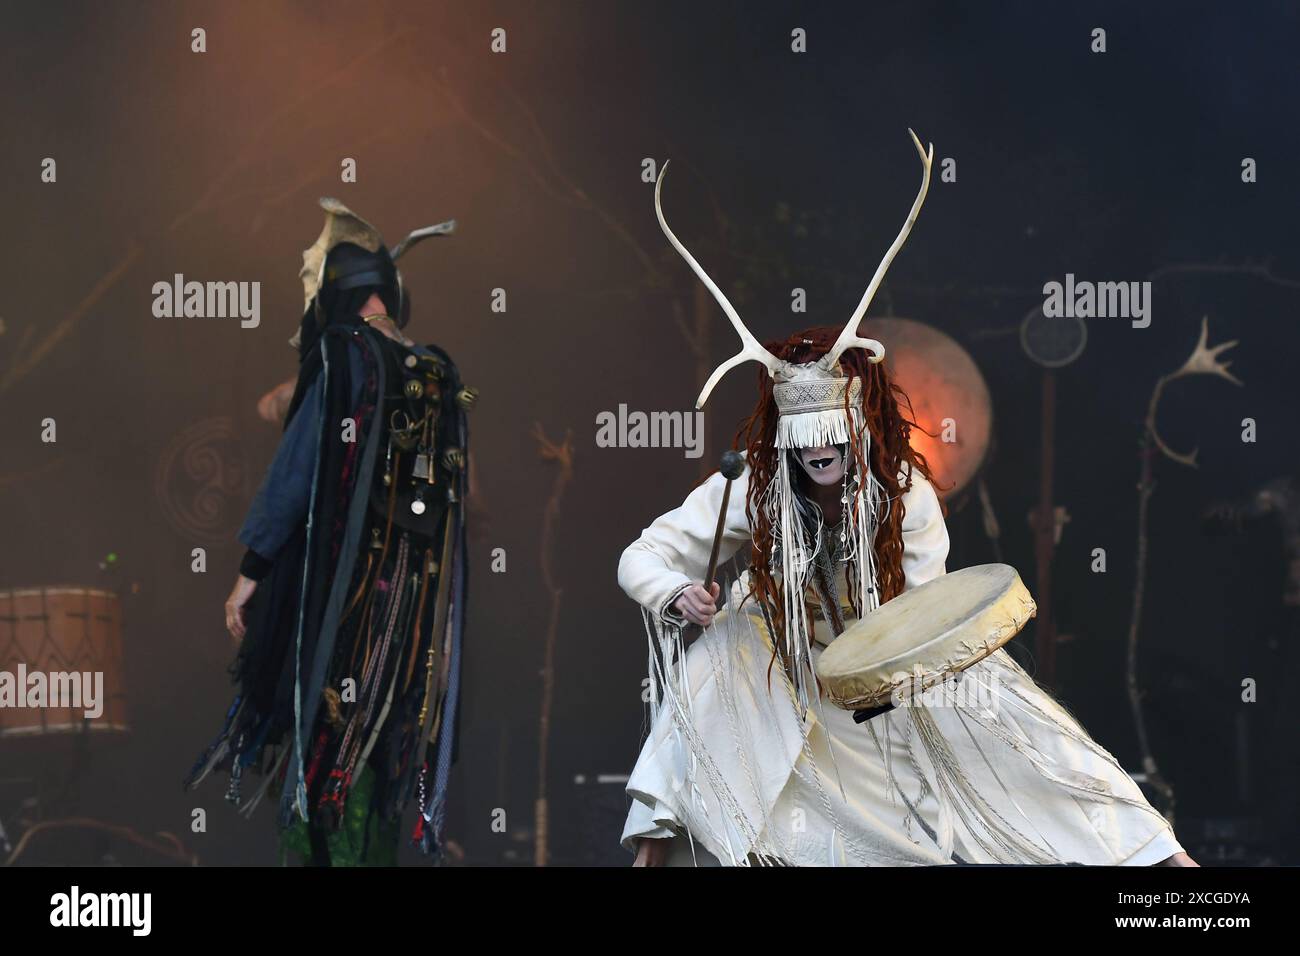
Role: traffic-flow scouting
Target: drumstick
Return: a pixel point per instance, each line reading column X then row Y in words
column 731, row 467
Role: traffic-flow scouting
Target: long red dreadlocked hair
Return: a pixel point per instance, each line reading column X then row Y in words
column 882, row 409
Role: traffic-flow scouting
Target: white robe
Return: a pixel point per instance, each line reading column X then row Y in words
column 825, row 790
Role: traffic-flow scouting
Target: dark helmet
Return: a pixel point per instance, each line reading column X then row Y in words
column 350, row 254
column 348, row 266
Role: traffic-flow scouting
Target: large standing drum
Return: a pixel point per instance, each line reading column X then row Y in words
column 61, row 632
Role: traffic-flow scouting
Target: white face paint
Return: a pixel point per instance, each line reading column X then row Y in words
column 824, row 465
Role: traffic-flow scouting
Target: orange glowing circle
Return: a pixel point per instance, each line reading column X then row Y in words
column 950, row 399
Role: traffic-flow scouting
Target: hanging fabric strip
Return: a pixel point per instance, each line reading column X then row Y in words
column 295, row 798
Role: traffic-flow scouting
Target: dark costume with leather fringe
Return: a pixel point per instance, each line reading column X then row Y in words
column 349, row 674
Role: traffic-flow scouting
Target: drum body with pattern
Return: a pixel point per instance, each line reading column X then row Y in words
column 60, row 662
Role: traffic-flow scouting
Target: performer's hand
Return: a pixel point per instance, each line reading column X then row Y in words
column 698, row 605
column 239, row 596
column 1178, row 859
column 651, row 852
column 274, row 405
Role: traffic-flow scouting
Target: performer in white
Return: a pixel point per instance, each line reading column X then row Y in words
column 746, row 762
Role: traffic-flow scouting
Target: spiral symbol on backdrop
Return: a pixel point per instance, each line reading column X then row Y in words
column 202, row 481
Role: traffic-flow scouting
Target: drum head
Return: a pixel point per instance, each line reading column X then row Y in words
column 925, row 634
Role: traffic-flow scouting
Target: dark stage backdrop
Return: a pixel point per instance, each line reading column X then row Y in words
column 790, row 170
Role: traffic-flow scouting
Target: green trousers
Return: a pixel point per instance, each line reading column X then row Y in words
column 363, row 838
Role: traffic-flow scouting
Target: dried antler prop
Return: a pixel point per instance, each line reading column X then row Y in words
column 1204, row 360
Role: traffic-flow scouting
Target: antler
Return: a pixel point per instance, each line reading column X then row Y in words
column 419, row 235
column 750, row 346
column 849, row 337
column 1204, row 360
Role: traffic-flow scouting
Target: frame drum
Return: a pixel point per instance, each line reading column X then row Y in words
column 924, row 635
column 65, row 631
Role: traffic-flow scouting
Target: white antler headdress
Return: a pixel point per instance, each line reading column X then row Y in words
column 813, row 387
column 811, row 398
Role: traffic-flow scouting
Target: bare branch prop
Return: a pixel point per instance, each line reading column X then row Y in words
column 1204, row 360
column 25, row 360
column 162, row 843
column 562, row 455
column 1259, row 270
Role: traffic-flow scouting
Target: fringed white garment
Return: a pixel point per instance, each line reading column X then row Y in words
column 735, row 770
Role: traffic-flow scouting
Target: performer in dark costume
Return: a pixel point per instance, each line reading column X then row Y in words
column 350, row 603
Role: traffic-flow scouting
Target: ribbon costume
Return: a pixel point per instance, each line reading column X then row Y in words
column 746, row 762
column 349, row 672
